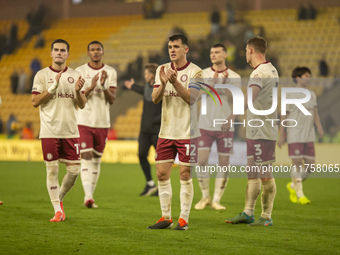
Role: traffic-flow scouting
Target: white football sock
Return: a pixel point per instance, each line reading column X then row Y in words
column 252, row 192
column 52, row 169
column 298, row 187
column 86, row 177
column 95, row 173
column 69, row 180
column 267, row 198
column 204, row 186
column 220, row 185
column 165, row 196
column 151, row 183
column 186, row 196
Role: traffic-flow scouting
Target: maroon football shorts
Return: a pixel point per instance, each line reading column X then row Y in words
column 167, row 150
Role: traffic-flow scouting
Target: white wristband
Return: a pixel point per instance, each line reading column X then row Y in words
column 53, row 88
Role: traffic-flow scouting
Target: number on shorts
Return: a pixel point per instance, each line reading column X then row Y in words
column 77, row 147
column 193, row 149
column 228, row 142
column 258, row 150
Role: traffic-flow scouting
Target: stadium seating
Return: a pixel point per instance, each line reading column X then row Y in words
column 125, row 37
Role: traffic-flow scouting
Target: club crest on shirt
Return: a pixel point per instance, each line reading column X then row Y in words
column 184, row 77
column 50, row 80
column 70, row 80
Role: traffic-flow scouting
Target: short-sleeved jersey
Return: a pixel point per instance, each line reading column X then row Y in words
column 179, row 119
column 96, row 113
column 266, row 77
column 304, row 131
column 218, row 111
column 58, row 116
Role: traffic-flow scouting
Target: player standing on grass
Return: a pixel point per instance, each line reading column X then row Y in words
column 300, row 138
column 178, row 103
column 57, row 92
column 151, row 121
column 261, row 140
column 94, row 120
column 209, row 133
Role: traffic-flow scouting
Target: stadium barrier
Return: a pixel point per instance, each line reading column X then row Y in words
column 126, row 152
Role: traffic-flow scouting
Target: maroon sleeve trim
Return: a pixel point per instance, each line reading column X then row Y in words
column 156, row 86
column 35, row 92
column 255, row 85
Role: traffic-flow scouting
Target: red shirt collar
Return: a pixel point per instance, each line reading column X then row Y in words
column 261, row 64
column 182, row 68
column 57, row 70
column 95, row 68
column 219, row 71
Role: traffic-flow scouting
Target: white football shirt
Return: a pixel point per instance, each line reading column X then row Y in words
column 179, row 119
column 217, row 111
column 96, row 113
column 304, row 131
column 266, row 77
column 58, row 116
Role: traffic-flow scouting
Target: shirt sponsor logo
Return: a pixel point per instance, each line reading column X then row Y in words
column 171, row 94
column 65, row 95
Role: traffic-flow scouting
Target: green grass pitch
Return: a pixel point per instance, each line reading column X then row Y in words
column 119, row 225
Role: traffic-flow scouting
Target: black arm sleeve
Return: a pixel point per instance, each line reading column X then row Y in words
column 137, row 88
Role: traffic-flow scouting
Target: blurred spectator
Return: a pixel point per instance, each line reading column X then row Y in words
column 27, row 132
column 215, row 20
column 311, row 12
column 230, row 13
column 147, row 9
column 249, row 33
column 158, row 8
column 231, row 50
column 323, row 66
column 14, row 81
column 35, row 21
column 12, row 126
column 40, row 42
column 3, row 40
column 22, row 82
column 1, row 126
column 240, row 59
column 13, row 38
column 35, row 65
column 302, row 13
column 330, row 128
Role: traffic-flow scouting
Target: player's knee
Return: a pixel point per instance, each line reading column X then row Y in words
column 185, row 176
column 52, row 168
column 73, row 169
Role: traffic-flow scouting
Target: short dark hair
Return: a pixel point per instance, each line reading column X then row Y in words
column 94, row 42
column 218, row 45
column 151, row 67
column 299, row 71
column 60, row 41
column 179, row 37
column 258, row 43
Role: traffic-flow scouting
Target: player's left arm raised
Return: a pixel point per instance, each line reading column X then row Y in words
column 318, row 122
column 80, row 97
column 109, row 92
